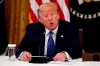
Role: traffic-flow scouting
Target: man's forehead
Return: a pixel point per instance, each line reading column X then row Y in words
column 47, row 12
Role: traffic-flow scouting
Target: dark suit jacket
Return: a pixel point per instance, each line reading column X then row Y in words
column 34, row 39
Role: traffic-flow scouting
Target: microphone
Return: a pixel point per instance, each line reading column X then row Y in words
column 41, row 43
column 39, row 58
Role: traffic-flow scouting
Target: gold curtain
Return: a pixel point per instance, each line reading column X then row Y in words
column 16, row 13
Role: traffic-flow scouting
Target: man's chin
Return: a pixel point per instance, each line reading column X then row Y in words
column 52, row 28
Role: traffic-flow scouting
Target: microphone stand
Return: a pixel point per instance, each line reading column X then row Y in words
column 40, row 59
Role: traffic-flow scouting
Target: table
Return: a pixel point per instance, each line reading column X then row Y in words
column 75, row 62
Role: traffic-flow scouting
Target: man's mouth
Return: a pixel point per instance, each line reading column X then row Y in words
column 51, row 23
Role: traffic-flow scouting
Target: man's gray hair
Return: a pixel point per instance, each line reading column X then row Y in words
column 46, row 6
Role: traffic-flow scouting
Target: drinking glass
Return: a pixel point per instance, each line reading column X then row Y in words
column 11, row 51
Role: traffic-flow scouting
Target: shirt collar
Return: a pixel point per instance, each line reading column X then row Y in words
column 54, row 31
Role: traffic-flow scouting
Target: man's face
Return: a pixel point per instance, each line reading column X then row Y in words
column 49, row 18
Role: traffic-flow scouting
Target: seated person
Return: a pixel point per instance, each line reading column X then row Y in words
column 64, row 35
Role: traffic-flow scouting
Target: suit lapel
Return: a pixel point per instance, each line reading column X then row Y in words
column 59, row 39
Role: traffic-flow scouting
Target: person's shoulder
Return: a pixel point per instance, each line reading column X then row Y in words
column 66, row 23
column 36, row 24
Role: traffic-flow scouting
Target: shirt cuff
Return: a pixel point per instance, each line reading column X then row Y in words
column 21, row 55
column 68, row 57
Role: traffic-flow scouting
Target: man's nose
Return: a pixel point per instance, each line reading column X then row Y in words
column 49, row 17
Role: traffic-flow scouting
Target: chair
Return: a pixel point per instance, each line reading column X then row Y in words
column 81, row 36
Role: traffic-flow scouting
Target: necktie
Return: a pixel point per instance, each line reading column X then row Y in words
column 50, row 45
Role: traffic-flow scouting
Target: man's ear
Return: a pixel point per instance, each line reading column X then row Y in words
column 58, row 15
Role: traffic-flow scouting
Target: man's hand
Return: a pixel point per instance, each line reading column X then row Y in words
column 60, row 57
column 26, row 56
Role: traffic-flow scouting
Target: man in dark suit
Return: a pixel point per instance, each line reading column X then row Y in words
column 65, row 36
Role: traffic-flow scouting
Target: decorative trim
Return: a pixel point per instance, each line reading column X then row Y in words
column 82, row 1
column 85, row 16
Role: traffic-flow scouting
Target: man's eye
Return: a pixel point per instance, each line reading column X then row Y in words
column 46, row 16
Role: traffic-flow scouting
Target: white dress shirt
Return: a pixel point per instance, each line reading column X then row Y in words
column 46, row 40
column 47, row 37
column 54, row 38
